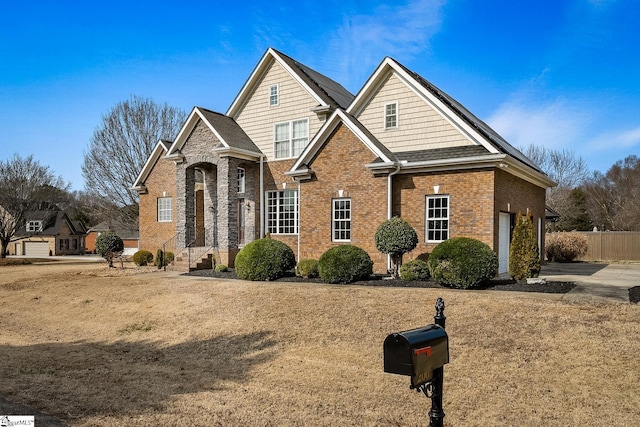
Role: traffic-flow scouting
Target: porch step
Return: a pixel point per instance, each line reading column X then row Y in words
column 181, row 261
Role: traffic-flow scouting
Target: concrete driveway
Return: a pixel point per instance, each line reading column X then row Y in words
column 594, row 281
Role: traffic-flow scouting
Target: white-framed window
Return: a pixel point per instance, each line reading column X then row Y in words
column 290, row 138
column 341, row 223
column 165, row 209
column 274, row 95
column 391, row 115
column 437, row 218
column 34, row 226
column 241, row 180
column 282, row 212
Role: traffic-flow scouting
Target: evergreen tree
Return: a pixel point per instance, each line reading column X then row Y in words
column 576, row 217
column 524, row 258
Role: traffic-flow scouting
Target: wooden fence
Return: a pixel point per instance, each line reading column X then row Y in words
column 612, row 246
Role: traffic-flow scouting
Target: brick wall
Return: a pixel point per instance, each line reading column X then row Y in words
column 160, row 183
column 340, row 166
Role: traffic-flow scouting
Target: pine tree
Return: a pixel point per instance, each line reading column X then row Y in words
column 524, row 259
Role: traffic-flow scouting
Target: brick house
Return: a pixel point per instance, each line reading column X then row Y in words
column 298, row 156
column 47, row 233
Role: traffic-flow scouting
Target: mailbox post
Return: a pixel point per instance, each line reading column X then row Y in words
column 421, row 353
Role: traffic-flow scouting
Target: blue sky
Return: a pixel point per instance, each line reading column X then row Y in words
column 563, row 74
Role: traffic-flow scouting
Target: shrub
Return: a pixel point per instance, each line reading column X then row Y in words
column 307, row 268
column 345, row 264
column 416, row 269
column 395, row 237
column 168, row 257
column 142, row 257
column 565, row 246
column 221, row 268
column 462, row 263
column 264, row 259
column 159, row 258
column 109, row 245
column 524, row 260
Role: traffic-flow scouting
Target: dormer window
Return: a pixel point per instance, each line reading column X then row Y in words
column 391, row 115
column 34, row 226
column 274, row 95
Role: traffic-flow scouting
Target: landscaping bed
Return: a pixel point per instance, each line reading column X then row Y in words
column 379, row 280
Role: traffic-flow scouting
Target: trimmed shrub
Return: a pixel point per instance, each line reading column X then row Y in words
column 221, row 268
column 264, row 259
column 163, row 258
column 416, row 269
column 109, row 245
column 345, row 264
column 565, row 246
column 142, row 257
column 307, row 268
column 462, row 263
column 168, row 257
column 524, row 261
column 395, row 237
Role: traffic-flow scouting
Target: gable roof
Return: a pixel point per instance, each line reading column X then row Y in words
column 121, row 228
column 234, row 140
column 328, row 93
column 301, row 166
column 160, row 149
column 52, row 223
column 496, row 148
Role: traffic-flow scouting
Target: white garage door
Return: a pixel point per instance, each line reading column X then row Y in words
column 504, row 240
column 38, row 249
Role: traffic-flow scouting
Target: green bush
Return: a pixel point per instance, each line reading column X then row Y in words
column 565, row 246
column 462, row 263
column 307, row 268
column 109, row 245
column 221, row 268
column 416, row 269
column 168, row 257
column 524, row 260
column 345, row 264
column 142, row 257
column 395, row 237
column 159, row 258
column 264, row 259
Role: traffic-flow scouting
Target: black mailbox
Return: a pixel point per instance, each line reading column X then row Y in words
column 416, row 353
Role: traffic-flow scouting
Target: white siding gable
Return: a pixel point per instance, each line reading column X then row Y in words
column 419, row 126
column 257, row 118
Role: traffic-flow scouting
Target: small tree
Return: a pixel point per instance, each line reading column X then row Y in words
column 109, row 245
column 395, row 237
column 524, row 258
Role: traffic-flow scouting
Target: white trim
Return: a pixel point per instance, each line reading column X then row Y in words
column 279, row 211
column 277, row 94
column 290, row 138
column 396, row 125
column 335, row 220
column 160, row 148
column 164, row 209
column 442, row 218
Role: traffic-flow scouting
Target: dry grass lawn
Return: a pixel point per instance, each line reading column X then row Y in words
column 101, row 348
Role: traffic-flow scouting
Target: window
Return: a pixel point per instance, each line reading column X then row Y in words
column 291, row 138
column 391, row 115
column 274, row 95
column 64, row 244
column 165, row 211
column 341, row 224
column 34, row 226
column 437, row 218
column 282, row 212
column 241, row 180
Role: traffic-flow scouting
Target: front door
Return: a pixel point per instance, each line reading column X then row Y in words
column 504, row 242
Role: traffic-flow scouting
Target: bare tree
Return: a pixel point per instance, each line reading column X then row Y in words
column 613, row 199
column 121, row 145
column 26, row 186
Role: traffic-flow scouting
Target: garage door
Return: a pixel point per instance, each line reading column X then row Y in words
column 37, row 249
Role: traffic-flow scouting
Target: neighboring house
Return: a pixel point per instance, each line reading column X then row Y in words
column 128, row 233
column 47, row 233
column 299, row 157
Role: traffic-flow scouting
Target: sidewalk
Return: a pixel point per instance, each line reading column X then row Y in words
column 594, row 282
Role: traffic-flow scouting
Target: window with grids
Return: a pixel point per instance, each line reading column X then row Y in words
column 391, row 115
column 34, row 226
column 341, row 224
column 291, row 138
column 282, row 212
column 274, row 98
column 165, row 211
column 241, row 180
column 437, row 218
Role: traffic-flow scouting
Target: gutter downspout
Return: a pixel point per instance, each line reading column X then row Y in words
column 390, row 202
column 299, row 205
column 262, row 210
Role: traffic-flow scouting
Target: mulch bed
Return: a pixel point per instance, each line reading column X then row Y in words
column 634, row 294
column 377, row 280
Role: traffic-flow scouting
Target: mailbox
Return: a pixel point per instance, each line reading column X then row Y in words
column 416, row 353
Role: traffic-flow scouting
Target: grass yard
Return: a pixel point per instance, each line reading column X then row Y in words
column 100, row 347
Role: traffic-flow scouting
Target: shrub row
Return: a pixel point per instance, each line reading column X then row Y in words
column 144, row 257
